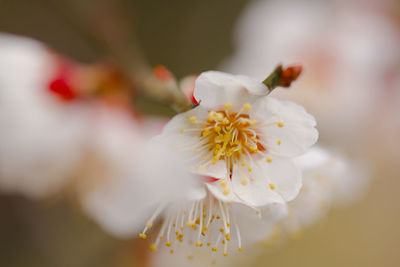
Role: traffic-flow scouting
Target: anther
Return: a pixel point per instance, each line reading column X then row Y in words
column 228, row 237
column 228, row 105
column 143, row 236
column 223, row 183
column 272, row 186
column 199, row 244
column 280, row 124
column 192, row 119
column 226, row 191
column 247, row 106
column 168, row 244
column 240, row 249
column 153, row 247
column 269, row 159
column 244, row 181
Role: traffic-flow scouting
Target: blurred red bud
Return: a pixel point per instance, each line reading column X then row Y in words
column 162, row 73
column 289, row 75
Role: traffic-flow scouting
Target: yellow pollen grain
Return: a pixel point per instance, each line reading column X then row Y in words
column 197, row 221
column 214, row 249
column 222, row 230
column 243, row 123
column 171, row 251
column 247, row 106
column 272, row 186
column 269, row 159
column 223, row 183
column 217, row 217
column 223, row 241
column 249, row 169
column 280, row 124
column 225, row 254
column 243, row 163
column 228, row 237
column 168, row 244
column 189, row 223
column 149, row 224
column 205, row 229
column 244, row 181
column 143, row 236
column 182, row 131
column 199, row 244
column 153, row 247
column 228, row 105
column 240, row 249
column 228, row 224
column 279, row 142
column 192, row 119
column 208, row 244
column 226, row 191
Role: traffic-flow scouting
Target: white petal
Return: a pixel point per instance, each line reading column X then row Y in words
column 213, row 89
column 256, row 226
column 298, row 132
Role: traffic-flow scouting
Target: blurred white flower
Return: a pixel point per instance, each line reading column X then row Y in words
column 41, row 137
column 346, row 52
column 54, row 137
column 329, row 180
column 128, row 176
column 244, row 138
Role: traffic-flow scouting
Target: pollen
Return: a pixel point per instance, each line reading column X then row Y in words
column 199, row 244
column 249, row 169
column 247, row 107
column 192, row 119
column 171, row 251
column 240, row 249
column 143, row 236
column 228, row 237
column 244, row 181
column 243, row 163
column 214, row 249
column 168, row 244
column 225, row 254
column 223, row 183
column 228, row 105
column 280, row 124
column 279, row 142
column 153, row 247
column 269, row 159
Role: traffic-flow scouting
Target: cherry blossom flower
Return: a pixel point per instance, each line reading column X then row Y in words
column 243, row 137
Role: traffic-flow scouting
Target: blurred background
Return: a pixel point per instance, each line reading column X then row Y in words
column 190, row 37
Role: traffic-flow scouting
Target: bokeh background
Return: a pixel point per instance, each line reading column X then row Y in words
column 188, row 37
